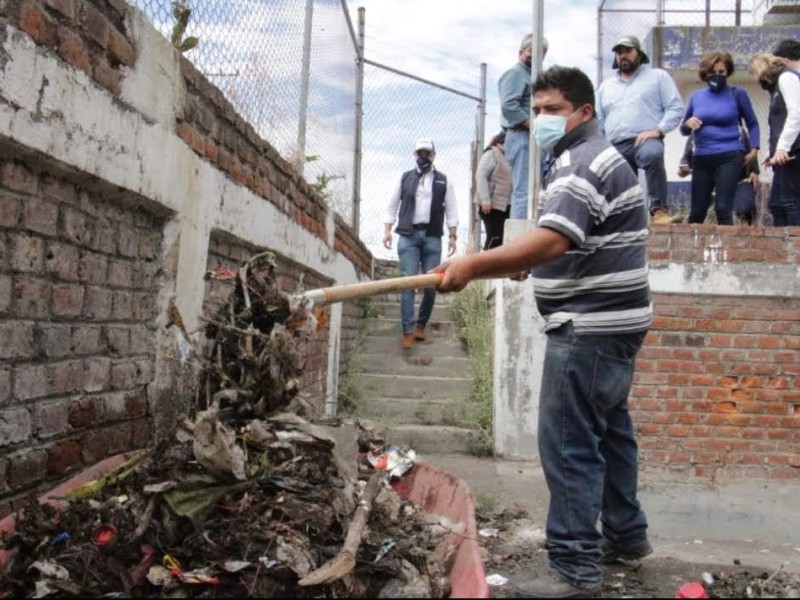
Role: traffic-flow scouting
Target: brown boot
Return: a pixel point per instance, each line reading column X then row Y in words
column 661, row 217
column 419, row 333
column 407, row 340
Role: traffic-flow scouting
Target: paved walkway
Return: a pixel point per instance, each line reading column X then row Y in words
column 756, row 523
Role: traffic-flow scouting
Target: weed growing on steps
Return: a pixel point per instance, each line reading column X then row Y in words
column 472, row 317
column 351, row 381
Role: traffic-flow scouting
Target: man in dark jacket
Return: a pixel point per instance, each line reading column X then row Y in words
column 426, row 202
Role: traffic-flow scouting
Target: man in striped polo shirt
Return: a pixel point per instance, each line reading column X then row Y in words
column 589, row 261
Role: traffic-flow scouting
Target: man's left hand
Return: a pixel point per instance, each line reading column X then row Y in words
column 647, row 135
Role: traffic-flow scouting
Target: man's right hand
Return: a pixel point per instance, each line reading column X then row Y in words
column 387, row 240
column 457, row 274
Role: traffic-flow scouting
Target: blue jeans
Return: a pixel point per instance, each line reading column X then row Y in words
column 518, row 156
column 415, row 251
column 649, row 156
column 784, row 197
column 588, row 451
column 720, row 171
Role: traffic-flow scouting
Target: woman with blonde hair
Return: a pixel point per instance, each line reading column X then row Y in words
column 783, row 85
column 714, row 118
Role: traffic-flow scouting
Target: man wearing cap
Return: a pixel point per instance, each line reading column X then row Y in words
column 789, row 51
column 426, row 203
column 515, row 104
column 636, row 108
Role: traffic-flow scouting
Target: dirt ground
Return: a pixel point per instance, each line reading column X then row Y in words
column 516, row 553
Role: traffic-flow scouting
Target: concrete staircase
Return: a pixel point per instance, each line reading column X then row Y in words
column 417, row 397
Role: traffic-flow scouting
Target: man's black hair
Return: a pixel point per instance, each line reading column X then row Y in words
column 788, row 48
column 573, row 84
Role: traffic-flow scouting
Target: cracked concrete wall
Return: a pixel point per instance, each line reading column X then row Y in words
column 91, row 93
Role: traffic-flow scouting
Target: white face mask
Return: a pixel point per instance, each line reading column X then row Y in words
column 549, row 129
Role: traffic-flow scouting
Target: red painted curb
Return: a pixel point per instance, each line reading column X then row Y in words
column 441, row 493
column 429, row 487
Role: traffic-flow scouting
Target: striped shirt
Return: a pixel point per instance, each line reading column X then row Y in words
column 593, row 198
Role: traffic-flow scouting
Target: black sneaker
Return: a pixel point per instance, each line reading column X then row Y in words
column 635, row 552
column 551, row 585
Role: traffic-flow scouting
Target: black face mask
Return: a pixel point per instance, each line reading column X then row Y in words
column 528, row 62
column 424, row 163
column 766, row 85
column 717, row 82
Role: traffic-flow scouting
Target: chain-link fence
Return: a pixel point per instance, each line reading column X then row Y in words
column 268, row 57
column 397, row 111
column 618, row 18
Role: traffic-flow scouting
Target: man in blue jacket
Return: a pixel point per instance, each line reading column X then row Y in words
column 514, row 88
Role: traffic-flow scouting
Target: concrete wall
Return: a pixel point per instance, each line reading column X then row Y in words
column 124, row 175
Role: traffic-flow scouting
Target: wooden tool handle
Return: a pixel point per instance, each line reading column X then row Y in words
column 354, row 291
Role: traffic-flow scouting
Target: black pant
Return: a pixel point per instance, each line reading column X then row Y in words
column 494, row 223
column 720, row 172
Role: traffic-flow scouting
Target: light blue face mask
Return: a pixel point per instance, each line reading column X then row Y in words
column 549, row 129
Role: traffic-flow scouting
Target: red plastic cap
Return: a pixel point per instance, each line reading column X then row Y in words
column 693, row 589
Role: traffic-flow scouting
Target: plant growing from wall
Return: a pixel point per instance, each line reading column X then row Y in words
column 472, row 317
column 181, row 13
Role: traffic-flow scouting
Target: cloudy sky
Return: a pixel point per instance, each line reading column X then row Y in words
column 446, row 41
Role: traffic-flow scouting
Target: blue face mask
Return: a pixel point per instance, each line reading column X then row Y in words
column 424, row 163
column 548, row 130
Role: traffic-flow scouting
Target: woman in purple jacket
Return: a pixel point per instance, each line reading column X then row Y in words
column 714, row 115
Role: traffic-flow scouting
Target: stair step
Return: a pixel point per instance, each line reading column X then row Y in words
column 413, row 365
column 393, row 326
column 415, row 386
column 431, row 439
column 441, row 312
column 417, row 411
column 389, row 346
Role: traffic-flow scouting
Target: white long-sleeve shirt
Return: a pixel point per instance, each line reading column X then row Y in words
column 422, row 202
column 789, row 86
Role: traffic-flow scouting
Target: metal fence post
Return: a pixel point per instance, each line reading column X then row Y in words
column 480, row 142
column 359, row 102
column 600, row 42
column 305, row 70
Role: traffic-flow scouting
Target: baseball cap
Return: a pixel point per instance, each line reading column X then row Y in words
column 424, row 144
column 630, row 41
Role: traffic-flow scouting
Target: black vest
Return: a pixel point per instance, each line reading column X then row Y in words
column 777, row 117
column 408, row 195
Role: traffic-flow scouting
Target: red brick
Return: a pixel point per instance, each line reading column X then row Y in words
column 51, row 418
column 10, row 211
column 65, row 7
column 37, row 24
column 84, row 412
column 97, row 303
column 27, row 253
column 120, row 273
column 27, row 468
column 93, row 268
column 17, row 340
column 5, row 385
column 94, row 446
column 107, row 76
column 128, row 242
column 73, row 50
column 63, row 457
column 15, row 426
column 67, row 376
column 136, row 404
column 31, row 381
column 119, row 340
column 67, row 300
column 97, row 372
column 62, row 260
column 86, row 339
column 142, row 433
column 96, row 24
column 120, row 48
column 57, row 340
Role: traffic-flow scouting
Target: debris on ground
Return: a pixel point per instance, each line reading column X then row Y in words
column 253, row 498
column 516, row 553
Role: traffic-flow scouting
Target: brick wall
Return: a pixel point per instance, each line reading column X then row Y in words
column 717, row 390
column 78, row 285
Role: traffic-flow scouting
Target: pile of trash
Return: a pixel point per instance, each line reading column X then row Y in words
column 251, row 499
